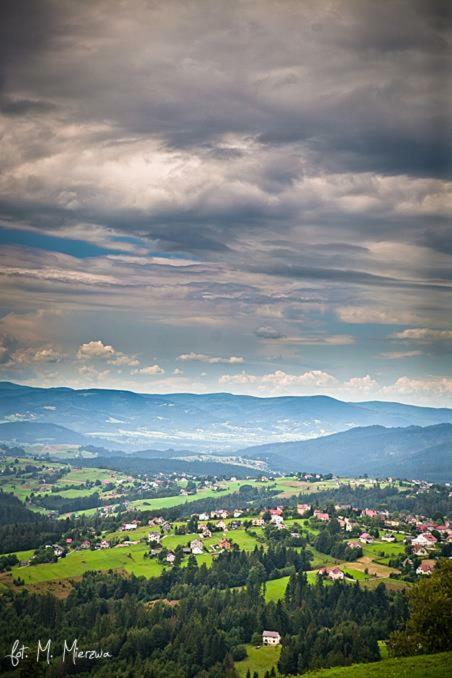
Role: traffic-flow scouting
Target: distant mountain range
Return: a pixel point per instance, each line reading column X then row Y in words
column 310, row 433
column 214, row 422
column 412, row 452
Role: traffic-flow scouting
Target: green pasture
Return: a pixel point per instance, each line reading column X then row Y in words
column 275, row 589
column 260, row 659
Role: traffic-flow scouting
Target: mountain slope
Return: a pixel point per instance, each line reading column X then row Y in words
column 408, row 452
column 217, row 421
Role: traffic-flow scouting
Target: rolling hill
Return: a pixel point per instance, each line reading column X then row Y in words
column 218, row 422
column 414, row 452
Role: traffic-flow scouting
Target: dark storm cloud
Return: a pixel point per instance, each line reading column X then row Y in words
column 208, row 127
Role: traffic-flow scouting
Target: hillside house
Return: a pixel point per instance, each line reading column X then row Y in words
column 128, row 527
column 225, row 544
column 354, row 545
column 369, row 513
column 170, row 558
column 154, row 537
column 277, row 520
column 303, row 509
column 333, row 573
column 196, row 547
column 271, row 638
column 426, row 567
column 104, row 544
column 425, row 539
column 319, row 515
column 366, row 538
column 388, row 538
column 258, row 522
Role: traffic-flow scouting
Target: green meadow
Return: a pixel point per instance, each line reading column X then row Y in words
column 421, row 666
column 259, row 659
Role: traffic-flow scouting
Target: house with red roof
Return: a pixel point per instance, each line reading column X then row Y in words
column 426, row 567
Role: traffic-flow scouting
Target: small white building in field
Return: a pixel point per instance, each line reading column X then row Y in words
column 271, row 638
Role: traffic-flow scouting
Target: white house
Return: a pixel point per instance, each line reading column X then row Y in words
column 196, row 547
column 425, row 539
column 277, row 520
column 155, row 537
column 388, row 537
column 271, row 638
column 258, row 522
column 366, row 538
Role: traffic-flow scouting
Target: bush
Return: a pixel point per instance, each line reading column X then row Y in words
column 239, row 652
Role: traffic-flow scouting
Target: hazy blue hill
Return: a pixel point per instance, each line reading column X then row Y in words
column 211, row 422
column 413, row 452
column 30, row 432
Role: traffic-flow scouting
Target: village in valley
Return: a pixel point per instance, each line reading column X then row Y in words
column 257, row 533
column 143, row 536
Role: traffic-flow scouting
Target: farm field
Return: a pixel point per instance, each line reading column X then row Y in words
column 76, row 563
column 128, row 558
column 389, row 550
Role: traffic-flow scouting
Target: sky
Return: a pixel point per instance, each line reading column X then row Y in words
column 243, row 196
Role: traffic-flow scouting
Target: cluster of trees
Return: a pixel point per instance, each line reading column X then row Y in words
column 429, row 625
column 55, row 502
column 434, row 502
column 200, row 635
column 329, row 541
column 8, row 561
column 336, row 625
column 230, row 569
column 22, row 529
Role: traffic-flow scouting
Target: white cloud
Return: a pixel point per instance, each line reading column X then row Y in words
column 92, row 374
column 331, row 340
column 212, row 360
column 97, row 350
column 399, row 355
column 361, row 384
column 373, row 315
column 423, row 334
column 149, row 371
column 430, row 385
column 280, row 380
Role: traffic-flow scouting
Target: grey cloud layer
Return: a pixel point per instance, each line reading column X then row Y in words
column 294, row 155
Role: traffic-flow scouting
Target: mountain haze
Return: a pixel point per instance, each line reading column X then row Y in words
column 217, row 422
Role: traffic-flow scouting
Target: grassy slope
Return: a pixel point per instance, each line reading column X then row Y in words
column 259, row 659
column 423, row 666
